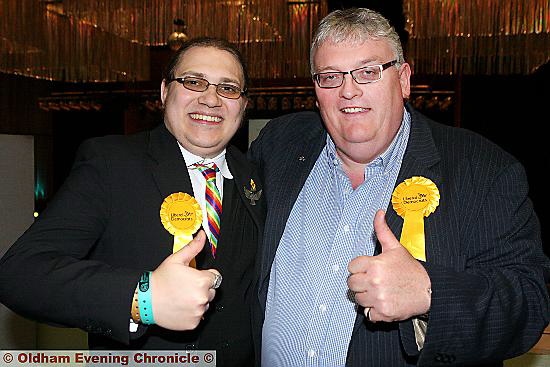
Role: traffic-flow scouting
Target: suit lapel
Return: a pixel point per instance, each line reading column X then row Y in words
column 420, row 158
column 168, row 166
column 243, row 172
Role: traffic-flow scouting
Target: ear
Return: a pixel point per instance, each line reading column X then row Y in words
column 163, row 91
column 405, row 80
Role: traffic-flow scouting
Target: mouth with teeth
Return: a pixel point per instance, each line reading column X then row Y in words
column 205, row 118
column 354, row 109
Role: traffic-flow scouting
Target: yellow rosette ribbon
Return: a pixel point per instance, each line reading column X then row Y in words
column 414, row 199
column 181, row 215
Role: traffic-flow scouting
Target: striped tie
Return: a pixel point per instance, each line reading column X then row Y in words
column 213, row 203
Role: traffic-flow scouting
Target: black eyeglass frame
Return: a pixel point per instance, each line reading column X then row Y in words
column 181, row 80
column 382, row 67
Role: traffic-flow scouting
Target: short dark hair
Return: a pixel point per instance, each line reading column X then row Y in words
column 218, row 43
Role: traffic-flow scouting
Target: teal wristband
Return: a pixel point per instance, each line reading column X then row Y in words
column 144, row 299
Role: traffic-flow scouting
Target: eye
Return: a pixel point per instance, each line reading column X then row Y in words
column 328, row 77
column 194, row 81
column 229, row 88
column 366, row 71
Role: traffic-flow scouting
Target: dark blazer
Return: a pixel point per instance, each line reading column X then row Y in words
column 79, row 263
column 483, row 246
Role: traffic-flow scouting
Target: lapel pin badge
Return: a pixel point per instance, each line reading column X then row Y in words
column 253, row 194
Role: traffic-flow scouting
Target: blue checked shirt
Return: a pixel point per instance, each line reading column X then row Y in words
column 310, row 312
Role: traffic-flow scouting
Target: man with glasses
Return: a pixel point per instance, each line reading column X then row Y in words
column 101, row 258
column 390, row 239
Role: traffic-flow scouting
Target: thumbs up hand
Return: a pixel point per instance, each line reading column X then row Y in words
column 180, row 293
column 391, row 286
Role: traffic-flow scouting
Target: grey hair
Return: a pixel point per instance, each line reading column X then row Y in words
column 356, row 25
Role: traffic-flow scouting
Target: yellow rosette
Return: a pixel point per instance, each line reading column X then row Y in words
column 414, row 199
column 181, row 215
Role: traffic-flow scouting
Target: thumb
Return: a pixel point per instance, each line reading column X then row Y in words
column 192, row 249
column 383, row 232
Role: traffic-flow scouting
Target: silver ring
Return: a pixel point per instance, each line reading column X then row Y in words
column 217, row 281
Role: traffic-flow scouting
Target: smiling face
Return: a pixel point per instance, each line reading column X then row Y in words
column 362, row 119
column 204, row 122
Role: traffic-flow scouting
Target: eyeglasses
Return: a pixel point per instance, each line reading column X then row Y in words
column 200, row 85
column 364, row 75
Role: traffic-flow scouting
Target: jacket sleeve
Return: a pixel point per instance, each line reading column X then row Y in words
column 495, row 305
column 47, row 274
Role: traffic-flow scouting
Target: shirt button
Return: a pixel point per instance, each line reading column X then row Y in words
column 311, row 353
column 346, row 228
column 323, row 308
column 335, row 162
column 335, row 267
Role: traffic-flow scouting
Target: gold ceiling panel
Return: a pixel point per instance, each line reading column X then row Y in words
column 103, row 41
column 474, row 37
column 110, row 40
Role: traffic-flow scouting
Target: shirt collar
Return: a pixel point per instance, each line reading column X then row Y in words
column 220, row 161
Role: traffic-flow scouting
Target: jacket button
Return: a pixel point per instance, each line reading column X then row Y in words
column 444, row 358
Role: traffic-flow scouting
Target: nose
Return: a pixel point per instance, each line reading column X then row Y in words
column 210, row 97
column 350, row 88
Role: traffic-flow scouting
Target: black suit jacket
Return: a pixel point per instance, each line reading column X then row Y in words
column 483, row 246
column 79, row 263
